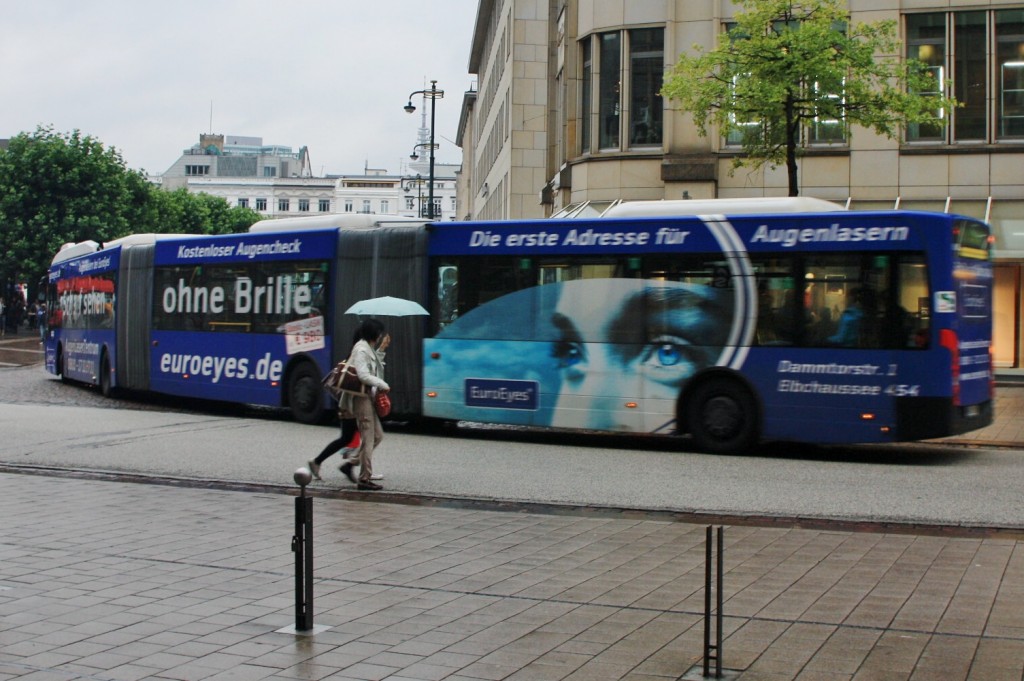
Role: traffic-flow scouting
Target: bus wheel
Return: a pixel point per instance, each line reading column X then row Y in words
column 62, row 369
column 305, row 394
column 722, row 417
column 105, row 387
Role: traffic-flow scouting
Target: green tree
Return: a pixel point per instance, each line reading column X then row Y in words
column 787, row 65
column 58, row 188
column 179, row 212
column 65, row 188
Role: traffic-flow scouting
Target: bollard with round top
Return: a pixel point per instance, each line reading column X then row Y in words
column 302, row 545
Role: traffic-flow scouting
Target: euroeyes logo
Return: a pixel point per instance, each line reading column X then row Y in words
column 501, row 394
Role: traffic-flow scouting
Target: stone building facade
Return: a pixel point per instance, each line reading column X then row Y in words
column 568, row 116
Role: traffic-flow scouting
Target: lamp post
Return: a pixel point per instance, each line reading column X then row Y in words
column 407, row 183
column 433, row 94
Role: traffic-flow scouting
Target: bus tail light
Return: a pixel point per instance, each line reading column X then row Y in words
column 948, row 340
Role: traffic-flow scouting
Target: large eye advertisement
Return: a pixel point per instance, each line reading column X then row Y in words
column 576, row 353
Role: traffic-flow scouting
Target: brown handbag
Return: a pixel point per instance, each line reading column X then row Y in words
column 343, row 379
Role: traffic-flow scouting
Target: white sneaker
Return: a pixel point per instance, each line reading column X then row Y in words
column 314, row 468
column 377, row 476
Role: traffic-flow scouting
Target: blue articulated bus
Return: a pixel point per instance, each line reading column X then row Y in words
column 733, row 321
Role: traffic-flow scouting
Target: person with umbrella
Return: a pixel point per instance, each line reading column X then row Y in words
column 368, row 359
column 348, row 441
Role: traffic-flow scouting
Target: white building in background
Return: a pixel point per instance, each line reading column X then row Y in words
column 236, row 156
column 275, row 182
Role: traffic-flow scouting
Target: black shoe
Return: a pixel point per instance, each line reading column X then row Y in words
column 346, row 469
column 371, row 486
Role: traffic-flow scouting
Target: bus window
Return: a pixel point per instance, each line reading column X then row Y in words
column 910, row 318
column 238, row 298
column 778, row 311
column 841, row 299
column 447, row 308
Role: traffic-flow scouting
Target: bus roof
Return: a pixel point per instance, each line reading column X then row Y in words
column 336, row 220
column 780, row 204
column 69, row 251
column 143, row 239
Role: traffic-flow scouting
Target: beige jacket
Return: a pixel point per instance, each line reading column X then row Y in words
column 369, row 364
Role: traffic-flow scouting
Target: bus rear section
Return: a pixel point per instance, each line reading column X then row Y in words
column 81, row 293
column 242, row 318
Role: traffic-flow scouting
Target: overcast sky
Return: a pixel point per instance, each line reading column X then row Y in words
column 332, row 75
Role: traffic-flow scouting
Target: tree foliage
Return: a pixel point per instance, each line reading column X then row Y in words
column 57, row 188
column 788, row 63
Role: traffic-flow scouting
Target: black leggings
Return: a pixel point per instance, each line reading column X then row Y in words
column 348, row 431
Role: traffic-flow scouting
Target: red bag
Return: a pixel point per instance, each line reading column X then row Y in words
column 382, row 403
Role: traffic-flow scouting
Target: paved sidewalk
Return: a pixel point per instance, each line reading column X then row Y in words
column 120, row 581
column 1007, row 429
column 20, row 349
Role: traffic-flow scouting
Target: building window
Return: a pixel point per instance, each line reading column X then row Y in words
column 284, row 205
column 385, row 206
column 303, row 205
column 988, row 82
column 409, row 205
column 366, row 205
column 348, row 205
column 197, row 170
column 1010, row 60
column 609, row 89
column 453, row 204
column 828, row 126
column 926, row 42
column 261, row 204
column 269, row 171
column 969, row 76
column 437, row 206
column 624, row 87
column 243, row 203
column 646, row 69
column 325, row 205
column 587, row 84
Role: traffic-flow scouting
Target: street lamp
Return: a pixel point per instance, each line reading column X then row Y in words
column 414, row 156
column 433, row 94
column 407, row 183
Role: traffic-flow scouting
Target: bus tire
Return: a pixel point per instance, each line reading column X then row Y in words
column 721, row 415
column 306, row 394
column 106, row 387
column 60, row 364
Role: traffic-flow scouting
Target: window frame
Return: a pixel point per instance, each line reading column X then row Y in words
column 610, row 72
column 956, row 32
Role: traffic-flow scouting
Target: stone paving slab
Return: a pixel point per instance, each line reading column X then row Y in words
column 121, row 581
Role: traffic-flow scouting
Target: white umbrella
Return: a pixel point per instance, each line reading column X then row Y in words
column 387, row 306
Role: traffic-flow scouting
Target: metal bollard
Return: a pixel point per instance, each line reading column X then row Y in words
column 302, row 545
column 713, row 651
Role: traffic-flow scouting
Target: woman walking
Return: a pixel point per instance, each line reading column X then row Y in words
column 368, row 359
column 347, row 441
